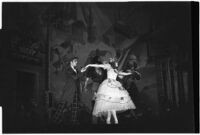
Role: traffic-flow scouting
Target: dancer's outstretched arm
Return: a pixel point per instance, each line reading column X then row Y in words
column 96, row 65
column 123, row 73
column 93, row 65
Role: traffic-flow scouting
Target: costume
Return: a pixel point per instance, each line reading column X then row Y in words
column 70, row 98
column 111, row 95
column 72, row 85
column 129, row 83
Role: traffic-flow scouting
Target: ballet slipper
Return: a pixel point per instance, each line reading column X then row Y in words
column 116, row 122
column 108, row 122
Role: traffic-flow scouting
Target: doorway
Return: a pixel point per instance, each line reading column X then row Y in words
column 25, row 94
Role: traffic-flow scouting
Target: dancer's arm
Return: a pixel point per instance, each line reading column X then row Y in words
column 85, row 84
column 123, row 73
column 93, row 65
column 96, row 65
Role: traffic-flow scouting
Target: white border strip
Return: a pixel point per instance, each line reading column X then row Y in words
column 0, row 14
column 95, row 0
column 1, row 120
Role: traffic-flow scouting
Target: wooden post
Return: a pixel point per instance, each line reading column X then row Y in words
column 176, row 85
column 47, row 66
column 180, row 88
column 169, row 82
column 172, row 74
column 47, row 59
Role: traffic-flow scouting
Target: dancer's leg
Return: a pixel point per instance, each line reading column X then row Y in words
column 115, row 116
column 108, row 117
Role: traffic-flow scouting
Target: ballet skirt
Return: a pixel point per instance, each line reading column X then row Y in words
column 111, row 95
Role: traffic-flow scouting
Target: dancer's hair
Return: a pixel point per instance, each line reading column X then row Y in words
column 113, row 62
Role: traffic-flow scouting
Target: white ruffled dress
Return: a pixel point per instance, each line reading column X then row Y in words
column 111, row 95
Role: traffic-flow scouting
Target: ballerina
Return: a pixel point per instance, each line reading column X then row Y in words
column 111, row 97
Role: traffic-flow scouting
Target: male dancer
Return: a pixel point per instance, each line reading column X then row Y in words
column 70, row 97
column 129, row 81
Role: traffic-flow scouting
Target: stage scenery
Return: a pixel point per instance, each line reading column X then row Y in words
column 97, row 67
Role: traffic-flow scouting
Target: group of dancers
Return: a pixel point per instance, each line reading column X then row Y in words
column 110, row 96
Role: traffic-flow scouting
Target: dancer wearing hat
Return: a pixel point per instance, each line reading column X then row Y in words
column 70, row 97
column 72, row 81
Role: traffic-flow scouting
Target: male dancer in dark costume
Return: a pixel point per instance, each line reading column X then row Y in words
column 129, row 81
column 70, row 97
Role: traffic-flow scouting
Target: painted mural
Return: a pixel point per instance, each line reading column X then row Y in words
column 27, row 50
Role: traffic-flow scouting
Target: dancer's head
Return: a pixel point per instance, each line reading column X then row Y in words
column 74, row 61
column 132, row 61
column 113, row 62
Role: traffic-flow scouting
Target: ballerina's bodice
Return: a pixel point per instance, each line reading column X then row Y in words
column 111, row 74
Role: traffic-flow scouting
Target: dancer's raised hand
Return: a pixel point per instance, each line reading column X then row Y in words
column 83, row 69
